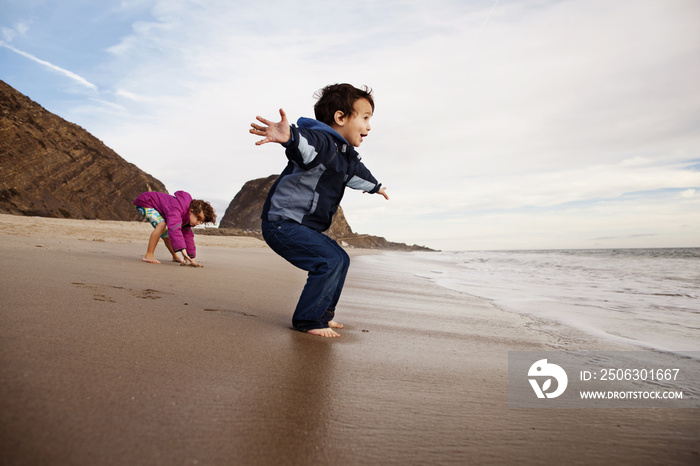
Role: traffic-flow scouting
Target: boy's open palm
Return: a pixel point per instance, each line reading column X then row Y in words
column 273, row 132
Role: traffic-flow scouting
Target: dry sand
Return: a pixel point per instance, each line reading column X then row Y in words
column 106, row 360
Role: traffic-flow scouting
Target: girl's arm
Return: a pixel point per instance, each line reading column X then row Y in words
column 189, row 260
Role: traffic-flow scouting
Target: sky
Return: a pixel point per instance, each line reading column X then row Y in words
column 499, row 124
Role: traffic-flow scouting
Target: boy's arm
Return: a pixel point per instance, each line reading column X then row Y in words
column 382, row 191
column 272, row 132
column 363, row 180
column 300, row 148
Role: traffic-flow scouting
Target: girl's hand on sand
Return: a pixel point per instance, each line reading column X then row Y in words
column 189, row 261
column 273, row 132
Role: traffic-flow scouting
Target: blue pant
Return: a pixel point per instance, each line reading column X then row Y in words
column 326, row 262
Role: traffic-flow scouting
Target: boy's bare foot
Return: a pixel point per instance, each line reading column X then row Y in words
column 334, row 324
column 177, row 259
column 151, row 260
column 323, row 332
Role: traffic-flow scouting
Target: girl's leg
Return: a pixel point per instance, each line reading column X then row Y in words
column 153, row 242
column 168, row 245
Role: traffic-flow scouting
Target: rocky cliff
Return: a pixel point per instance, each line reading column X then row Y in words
column 52, row 168
column 242, row 217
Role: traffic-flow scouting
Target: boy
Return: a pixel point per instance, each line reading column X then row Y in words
column 301, row 203
column 172, row 218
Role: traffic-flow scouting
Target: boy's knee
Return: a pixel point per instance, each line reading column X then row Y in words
column 346, row 259
column 339, row 261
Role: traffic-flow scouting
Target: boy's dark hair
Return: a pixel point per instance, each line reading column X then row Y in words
column 341, row 97
column 199, row 206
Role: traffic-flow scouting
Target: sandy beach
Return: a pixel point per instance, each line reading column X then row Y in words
column 106, row 360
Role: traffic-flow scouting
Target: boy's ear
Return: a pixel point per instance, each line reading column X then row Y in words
column 339, row 118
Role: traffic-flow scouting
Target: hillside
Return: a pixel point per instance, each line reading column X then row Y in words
column 53, row 168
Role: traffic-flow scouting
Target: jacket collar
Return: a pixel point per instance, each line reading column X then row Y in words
column 343, row 145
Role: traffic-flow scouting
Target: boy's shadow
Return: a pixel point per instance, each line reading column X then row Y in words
column 299, row 411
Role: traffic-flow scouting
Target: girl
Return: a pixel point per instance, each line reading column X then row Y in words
column 172, row 218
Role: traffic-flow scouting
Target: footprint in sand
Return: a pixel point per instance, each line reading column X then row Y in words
column 102, row 292
column 241, row 313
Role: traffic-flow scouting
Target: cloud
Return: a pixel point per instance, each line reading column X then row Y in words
column 57, row 69
column 8, row 34
column 20, row 29
column 136, row 97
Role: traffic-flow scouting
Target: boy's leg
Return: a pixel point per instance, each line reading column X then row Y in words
column 330, row 312
column 316, row 253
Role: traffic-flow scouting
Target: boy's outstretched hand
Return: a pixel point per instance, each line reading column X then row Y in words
column 273, row 132
column 381, row 191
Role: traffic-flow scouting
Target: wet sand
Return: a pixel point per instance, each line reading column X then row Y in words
column 105, row 360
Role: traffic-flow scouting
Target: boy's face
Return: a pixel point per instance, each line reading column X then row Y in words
column 196, row 219
column 356, row 126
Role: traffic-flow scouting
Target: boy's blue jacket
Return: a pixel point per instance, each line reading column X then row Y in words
column 321, row 164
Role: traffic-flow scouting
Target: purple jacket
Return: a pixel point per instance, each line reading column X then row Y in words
column 176, row 212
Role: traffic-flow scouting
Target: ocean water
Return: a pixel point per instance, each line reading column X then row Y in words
column 649, row 298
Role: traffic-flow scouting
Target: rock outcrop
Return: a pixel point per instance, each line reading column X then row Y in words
column 242, row 217
column 54, row 168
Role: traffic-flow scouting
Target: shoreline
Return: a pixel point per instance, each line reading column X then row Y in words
column 606, row 309
column 108, row 360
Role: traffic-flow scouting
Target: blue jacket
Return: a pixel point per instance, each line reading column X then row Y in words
column 321, row 164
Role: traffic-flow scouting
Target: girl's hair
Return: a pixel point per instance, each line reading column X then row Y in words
column 341, row 97
column 198, row 205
